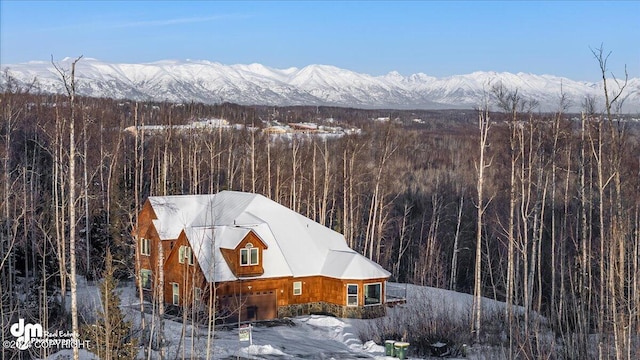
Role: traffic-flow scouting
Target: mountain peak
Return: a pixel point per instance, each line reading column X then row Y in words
column 316, row 84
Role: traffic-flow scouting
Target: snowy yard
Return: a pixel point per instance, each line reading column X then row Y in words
column 304, row 337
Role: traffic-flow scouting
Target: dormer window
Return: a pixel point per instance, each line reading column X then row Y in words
column 249, row 255
column 245, row 258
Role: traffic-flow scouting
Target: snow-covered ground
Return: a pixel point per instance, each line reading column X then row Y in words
column 304, row 337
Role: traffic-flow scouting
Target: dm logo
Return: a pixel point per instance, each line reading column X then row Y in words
column 24, row 333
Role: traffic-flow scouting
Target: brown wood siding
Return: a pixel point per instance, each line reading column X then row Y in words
column 185, row 275
column 146, row 230
column 314, row 289
column 232, row 259
column 331, row 290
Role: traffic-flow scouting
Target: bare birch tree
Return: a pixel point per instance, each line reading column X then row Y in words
column 484, row 124
column 70, row 86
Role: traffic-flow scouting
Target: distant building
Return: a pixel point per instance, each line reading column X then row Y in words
column 275, row 130
column 301, row 130
column 201, row 124
column 304, row 127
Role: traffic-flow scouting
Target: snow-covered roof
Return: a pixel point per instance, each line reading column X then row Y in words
column 297, row 245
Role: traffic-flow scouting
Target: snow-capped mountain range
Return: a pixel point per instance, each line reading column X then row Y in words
column 256, row 84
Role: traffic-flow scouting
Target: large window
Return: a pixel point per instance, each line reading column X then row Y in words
column 176, row 293
column 372, row 294
column 249, row 255
column 185, row 255
column 352, row 295
column 145, row 278
column 297, row 288
column 145, row 247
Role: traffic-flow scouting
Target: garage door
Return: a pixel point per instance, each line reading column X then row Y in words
column 254, row 306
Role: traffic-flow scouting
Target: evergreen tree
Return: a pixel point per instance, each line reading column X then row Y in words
column 110, row 337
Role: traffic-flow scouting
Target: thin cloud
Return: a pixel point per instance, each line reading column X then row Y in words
column 168, row 22
column 145, row 23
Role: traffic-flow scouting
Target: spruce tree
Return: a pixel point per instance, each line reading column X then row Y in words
column 110, row 337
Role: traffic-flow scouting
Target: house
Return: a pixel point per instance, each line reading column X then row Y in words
column 263, row 260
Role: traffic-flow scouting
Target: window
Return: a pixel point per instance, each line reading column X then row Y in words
column 176, row 293
column 297, row 288
column 352, row 295
column 185, row 254
column 249, row 255
column 145, row 278
column 188, row 255
column 372, row 294
column 145, row 247
column 197, row 297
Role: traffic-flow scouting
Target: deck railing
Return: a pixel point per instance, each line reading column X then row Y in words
column 396, row 293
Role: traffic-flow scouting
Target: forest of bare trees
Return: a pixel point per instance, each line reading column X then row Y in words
column 539, row 210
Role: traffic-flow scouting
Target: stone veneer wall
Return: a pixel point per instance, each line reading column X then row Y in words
column 358, row 312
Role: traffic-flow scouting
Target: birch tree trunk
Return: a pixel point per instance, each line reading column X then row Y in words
column 70, row 85
column 453, row 280
column 508, row 102
column 85, row 185
column 138, row 160
column 72, row 214
column 484, row 124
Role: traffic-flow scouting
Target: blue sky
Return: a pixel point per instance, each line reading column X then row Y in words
column 373, row 37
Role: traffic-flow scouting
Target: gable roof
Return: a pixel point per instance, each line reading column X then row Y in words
column 297, row 245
